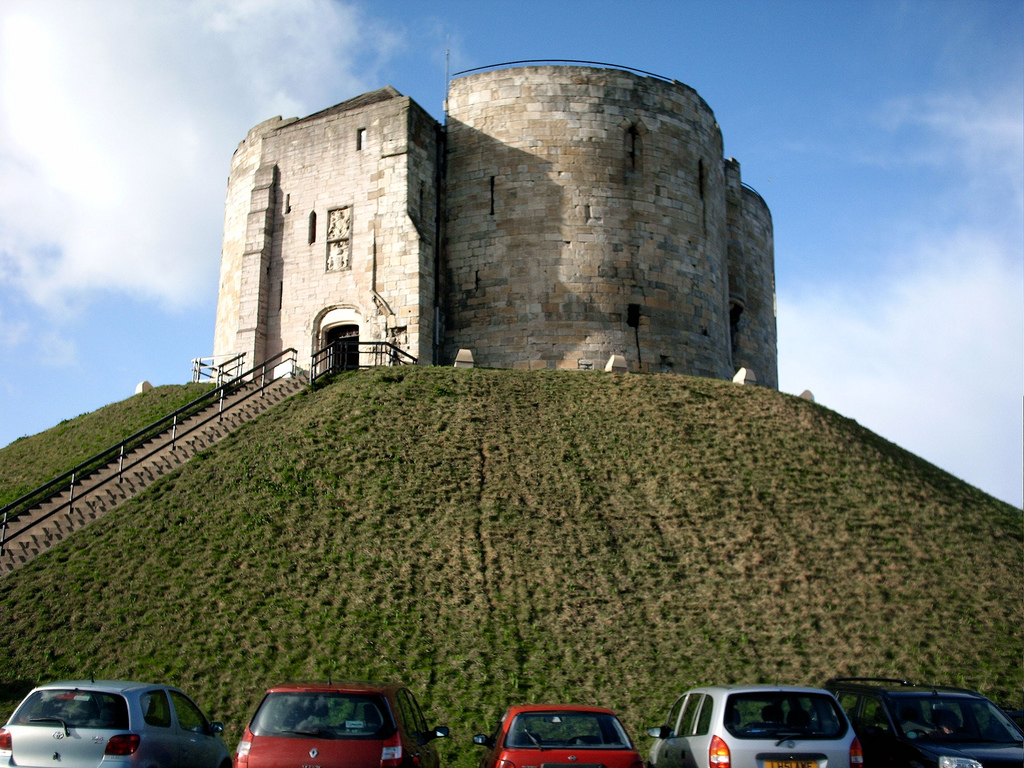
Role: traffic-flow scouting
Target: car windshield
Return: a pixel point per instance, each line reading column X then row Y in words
column 324, row 715
column 776, row 714
column 73, row 708
column 548, row 730
column 952, row 718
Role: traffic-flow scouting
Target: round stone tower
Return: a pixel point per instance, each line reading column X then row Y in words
column 590, row 212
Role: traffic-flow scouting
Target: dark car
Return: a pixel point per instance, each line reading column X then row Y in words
column 558, row 735
column 903, row 725
column 354, row 724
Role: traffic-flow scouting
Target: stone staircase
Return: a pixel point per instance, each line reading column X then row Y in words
column 99, row 489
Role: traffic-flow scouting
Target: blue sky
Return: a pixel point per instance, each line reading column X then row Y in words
column 886, row 137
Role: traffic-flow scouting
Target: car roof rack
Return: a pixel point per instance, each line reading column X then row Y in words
column 935, row 689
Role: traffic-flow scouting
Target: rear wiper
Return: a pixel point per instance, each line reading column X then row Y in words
column 67, row 731
column 533, row 738
column 315, row 732
column 783, row 735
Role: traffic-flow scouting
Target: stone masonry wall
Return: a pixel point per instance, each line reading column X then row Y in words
column 574, row 192
column 758, row 334
column 565, row 214
column 752, row 278
column 344, row 246
column 244, row 163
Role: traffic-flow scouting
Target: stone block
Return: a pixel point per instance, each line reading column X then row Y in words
column 744, row 376
column 616, row 364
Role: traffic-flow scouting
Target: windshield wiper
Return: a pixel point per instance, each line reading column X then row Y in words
column 67, row 731
column 533, row 738
column 314, row 732
column 793, row 734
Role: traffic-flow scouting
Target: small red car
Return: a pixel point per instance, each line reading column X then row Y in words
column 356, row 725
column 559, row 736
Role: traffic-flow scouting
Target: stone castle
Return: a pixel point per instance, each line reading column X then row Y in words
column 562, row 215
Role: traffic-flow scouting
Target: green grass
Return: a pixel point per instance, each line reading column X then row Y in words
column 29, row 462
column 492, row 537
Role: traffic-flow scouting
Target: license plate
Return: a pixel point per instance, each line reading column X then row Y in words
column 790, row 764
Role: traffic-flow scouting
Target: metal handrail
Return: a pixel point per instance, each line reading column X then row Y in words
column 135, row 441
column 208, row 368
column 352, row 355
column 563, row 61
column 751, row 189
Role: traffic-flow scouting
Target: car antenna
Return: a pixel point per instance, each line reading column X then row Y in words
column 92, row 677
column 329, row 679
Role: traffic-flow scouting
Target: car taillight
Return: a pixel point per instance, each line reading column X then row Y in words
column 122, row 744
column 506, row 764
column 242, row 751
column 5, row 740
column 856, row 754
column 718, row 753
column 391, row 753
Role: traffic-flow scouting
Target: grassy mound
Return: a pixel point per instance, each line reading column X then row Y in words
column 495, row 536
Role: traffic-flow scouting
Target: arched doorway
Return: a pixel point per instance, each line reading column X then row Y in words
column 344, row 343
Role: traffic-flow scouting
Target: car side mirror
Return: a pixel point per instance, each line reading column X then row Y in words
column 440, row 732
column 483, row 740
column 216, row 727
column 661, row 732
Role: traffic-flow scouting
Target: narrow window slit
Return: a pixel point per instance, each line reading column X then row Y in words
column 633, row 142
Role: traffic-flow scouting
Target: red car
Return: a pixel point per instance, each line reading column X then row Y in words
column 355, row 725
column 559, row 736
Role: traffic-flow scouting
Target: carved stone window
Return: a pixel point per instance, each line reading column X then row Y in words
column 339, row 239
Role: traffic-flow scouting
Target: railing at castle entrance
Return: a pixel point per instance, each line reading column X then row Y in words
column 352, row 355
column 219, row 368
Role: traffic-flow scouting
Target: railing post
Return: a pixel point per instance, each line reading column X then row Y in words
column 120, row 463
column 174, row 430
column 71, row 495
column 220, row 407
column 3, row 535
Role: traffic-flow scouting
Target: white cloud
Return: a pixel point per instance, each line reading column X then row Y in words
column 930, row 357
column 117, row 122
column 13, row 333
column 980, row 133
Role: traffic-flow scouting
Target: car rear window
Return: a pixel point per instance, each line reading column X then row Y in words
column 774, row 714
column 590, row 730
column 74, row 708
column 935, row 717
column 322, row 715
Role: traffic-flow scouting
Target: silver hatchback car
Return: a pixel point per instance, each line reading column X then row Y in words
column 755, row 726
column 92, row 724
